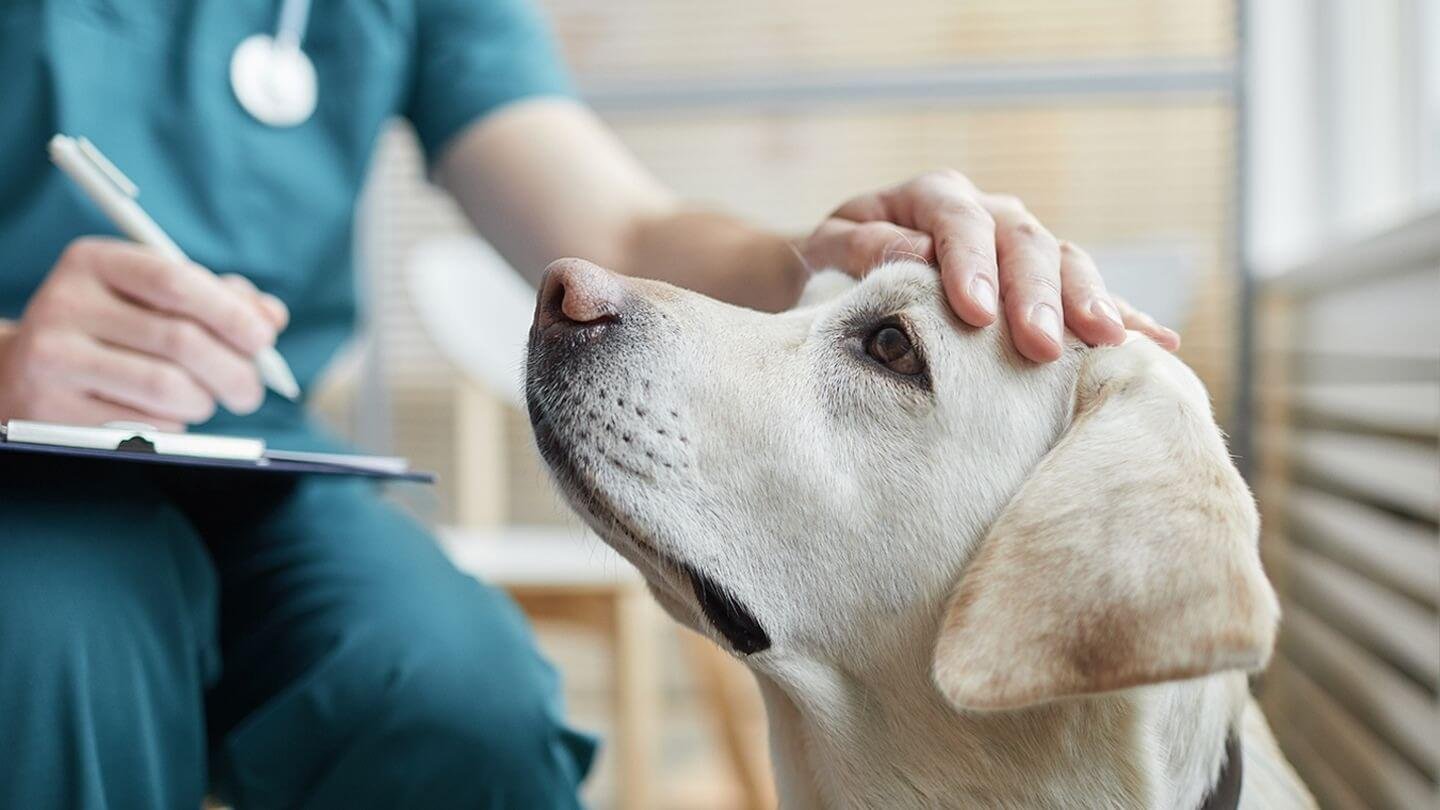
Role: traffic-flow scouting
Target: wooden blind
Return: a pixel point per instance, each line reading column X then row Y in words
column 1350, row 387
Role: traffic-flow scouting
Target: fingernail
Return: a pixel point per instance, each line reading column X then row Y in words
column 260, row 338
column 1047, row 320
column 983, row 292
column 1103, row 309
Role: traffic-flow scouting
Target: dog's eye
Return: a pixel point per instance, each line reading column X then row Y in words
column 892, row 348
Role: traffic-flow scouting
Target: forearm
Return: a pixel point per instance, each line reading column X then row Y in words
column 545, row 179
column 714, row 254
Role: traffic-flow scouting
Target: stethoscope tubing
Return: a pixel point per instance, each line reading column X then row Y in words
column 291, row 22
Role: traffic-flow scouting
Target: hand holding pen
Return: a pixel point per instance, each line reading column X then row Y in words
column 124, row 332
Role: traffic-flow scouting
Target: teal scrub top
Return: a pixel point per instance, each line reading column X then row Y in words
column 148, row 82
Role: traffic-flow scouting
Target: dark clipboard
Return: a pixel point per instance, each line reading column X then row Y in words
column 136, row 452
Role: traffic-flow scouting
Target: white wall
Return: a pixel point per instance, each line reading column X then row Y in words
column 1343, row 108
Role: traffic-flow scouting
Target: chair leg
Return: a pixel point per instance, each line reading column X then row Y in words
column 726, row 687
column 636, row 698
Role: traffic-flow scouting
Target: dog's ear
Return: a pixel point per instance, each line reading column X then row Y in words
column 1128, row 557
column 824, row 285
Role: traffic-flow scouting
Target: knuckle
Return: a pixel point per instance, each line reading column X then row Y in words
column 282, row 312
column 946, row 175
column 163, row 382
column 46, row 308
column 1031, row 231
column 1044, row 283
column 1074, row 252
column 179, row 339
column 866, row 240
column 1006, row 202
column 967, row 210
column 203, row 409
column 165, row 282
column 230, row 321
column 965, row 251
column 45, row 350
column 238, row 281
column 80, row 252
column 243, row 389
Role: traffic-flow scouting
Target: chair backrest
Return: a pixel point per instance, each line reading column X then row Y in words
column 476, row 309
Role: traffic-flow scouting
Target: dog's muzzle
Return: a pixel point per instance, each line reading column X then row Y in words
column 580, row 314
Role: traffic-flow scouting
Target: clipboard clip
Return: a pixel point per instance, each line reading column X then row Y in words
column 137, row 443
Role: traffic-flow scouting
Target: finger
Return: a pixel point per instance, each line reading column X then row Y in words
column 271, row 307
column 147, row 384
column 857, row 248
column 964, row 234
column 223, row 372
column 1089, row 312
column 87, row 409
column 1146, row 325
column 188, row 290
column 1030, row 284
column 866, row 208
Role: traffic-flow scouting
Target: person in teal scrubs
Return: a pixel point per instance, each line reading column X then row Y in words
column 306, row 644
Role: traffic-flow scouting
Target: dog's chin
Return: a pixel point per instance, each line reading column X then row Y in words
column 726, row 614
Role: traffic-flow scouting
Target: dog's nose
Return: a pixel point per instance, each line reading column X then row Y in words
column 574, row 292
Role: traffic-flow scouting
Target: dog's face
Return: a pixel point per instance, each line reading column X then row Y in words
column 815, row 485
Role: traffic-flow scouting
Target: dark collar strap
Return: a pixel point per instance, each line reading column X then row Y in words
column 1226, row 793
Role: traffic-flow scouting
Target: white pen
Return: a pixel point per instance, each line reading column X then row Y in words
column 113, row 192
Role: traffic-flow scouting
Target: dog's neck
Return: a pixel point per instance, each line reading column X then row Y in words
column 841, row 740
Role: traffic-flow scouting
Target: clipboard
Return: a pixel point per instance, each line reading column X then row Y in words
column 135, row 443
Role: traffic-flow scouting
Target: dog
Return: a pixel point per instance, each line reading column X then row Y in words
column 961, row 579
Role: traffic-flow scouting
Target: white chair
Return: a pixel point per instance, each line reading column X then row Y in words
column 478, row 311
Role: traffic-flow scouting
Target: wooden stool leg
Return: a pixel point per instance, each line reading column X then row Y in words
column 726, row 684
column 637, row 695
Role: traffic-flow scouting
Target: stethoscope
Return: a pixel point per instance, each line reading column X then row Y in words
column 272, row 77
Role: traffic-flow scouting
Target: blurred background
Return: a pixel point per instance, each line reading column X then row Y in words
column 1264, row 176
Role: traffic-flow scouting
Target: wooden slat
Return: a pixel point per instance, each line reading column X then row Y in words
column 1399, row 554
column 1361, row 369
column 1351, row 752
column 1395, row 473
column 1395, row 628
column 1391, row 316
column 1410, row 244
column 1405, row 409
column 1389, row 704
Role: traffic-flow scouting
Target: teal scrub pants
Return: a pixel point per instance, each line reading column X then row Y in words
column 296, row 645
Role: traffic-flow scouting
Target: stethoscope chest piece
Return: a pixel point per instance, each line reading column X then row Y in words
column 274, row 81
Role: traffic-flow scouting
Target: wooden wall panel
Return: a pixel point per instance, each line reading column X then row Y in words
column 646, row 37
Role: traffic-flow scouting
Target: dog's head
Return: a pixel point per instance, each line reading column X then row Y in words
column 865, row 478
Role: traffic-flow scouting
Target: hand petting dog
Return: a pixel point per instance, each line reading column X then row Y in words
column 991, row 250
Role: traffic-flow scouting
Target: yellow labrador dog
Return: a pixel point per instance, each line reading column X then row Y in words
column 961, row 579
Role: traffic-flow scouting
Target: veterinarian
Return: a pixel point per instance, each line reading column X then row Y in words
column 310, row 646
